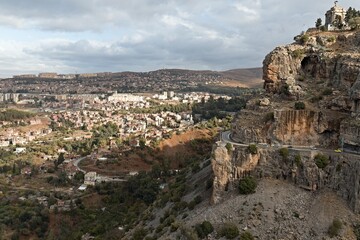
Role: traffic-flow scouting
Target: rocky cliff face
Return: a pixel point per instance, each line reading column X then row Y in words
column 229, row 166
column 325, row 56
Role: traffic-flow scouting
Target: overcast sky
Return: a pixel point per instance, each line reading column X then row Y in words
column 71, row 36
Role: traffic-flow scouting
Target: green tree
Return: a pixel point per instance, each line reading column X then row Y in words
column 228, row 147
column 204, row 229
column 318, row 23
column 247, row 185
column 321, row 160
column 253, row 149
column 229, row 230
column 60, row 160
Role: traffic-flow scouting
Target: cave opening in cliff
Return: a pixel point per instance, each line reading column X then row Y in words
column 308, row 65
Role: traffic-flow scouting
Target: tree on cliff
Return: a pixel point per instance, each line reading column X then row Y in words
column 318, row 23
column 351, row 13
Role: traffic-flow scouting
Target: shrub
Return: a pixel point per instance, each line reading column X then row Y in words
column 331, row 39
column 299, row 105
column 321, row 160
column 298, row 160
column 335, row 228
column 297, row 53
column 228, row 147
column 327, row 91
column 139, row 234
column 284, row 153
column 269, row 117
column 247, row 185
column 229, row 230
column 252, row 148
column 316, row 99
column 285, row 90
column 304, row 38
column 204, row 229
column 246, row 236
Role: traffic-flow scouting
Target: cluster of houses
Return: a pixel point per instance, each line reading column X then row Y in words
column 23, row 135
column 151, row 126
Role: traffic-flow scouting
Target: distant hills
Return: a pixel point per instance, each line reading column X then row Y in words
column 249, row 77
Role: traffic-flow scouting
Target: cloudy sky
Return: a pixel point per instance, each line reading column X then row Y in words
column 71, row 36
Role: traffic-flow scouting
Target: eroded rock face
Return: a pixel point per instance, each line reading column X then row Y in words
column 285, row 67
column 280, row 66
column 228, row 167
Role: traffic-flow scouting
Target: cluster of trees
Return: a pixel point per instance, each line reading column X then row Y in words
column 218, row 108
column 25, row 218
column 231, row 91
column 351, row 13
column 13, row 114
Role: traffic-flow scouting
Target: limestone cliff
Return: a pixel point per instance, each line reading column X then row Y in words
column 229, row 166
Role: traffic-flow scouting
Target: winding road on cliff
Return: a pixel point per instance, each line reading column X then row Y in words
column 226, row 137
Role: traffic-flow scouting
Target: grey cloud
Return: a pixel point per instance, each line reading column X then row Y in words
column 191, row 34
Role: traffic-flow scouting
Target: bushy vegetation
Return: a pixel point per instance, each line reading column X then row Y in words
column 304, row 38
column 24, row 217
column 298, row 53
column 327, row 91
column 228, row 147
column 269, row 117
column 246, row 236
column 13, row 114
column 321, row 160
column 252, row 148
column 299, row 105
column 297, row 160
column 229, row 230
column 284, row 153
column 335, row 228
column 204, row 229
column 247, row 185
